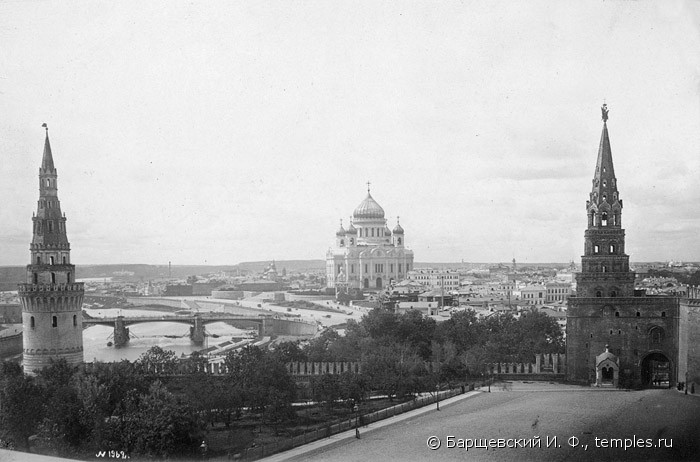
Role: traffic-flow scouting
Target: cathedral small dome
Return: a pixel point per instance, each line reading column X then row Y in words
column 387, row 232
column 351, row 230
column 368, row 208
column 341, row 231
column 398, row 229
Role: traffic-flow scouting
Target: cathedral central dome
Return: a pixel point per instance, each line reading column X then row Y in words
column 368, row 208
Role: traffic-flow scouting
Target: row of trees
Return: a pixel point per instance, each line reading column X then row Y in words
column 409, row 353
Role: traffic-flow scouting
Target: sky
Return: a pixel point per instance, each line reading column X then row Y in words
column 205, row 132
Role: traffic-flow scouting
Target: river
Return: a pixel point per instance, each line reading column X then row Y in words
column 147, row 335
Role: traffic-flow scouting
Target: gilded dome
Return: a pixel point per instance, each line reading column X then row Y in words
column 368, row 208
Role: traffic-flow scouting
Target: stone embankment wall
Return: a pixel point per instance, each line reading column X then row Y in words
column 10, row 345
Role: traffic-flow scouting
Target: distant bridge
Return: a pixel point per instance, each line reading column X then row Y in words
column 197, row 323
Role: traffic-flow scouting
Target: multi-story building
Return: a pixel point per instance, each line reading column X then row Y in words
column 557, row 291
column 530, row 294
column 367, row 255
column 435, row 279
column 51, row 299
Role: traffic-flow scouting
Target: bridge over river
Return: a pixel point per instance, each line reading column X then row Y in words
column 267, row 325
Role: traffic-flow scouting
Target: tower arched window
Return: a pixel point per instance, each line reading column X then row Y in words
column 53, row 278
column 54, row 322
column 38, row 259
column 35, row 278
column 612, row 249
column 342, row 242
column 352, row 241
column 64, row 260
column 656, row 335
column 31, row 322
column 75, row 321
column 604, row 217
column 598, row 294
column 596, row 249
column 68, row 278
column 51, row 260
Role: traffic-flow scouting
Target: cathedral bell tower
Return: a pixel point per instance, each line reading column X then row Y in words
column 51, row 299
column 605, row 268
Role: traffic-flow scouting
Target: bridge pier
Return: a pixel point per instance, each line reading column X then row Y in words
column 197, row 333
column 121, row 332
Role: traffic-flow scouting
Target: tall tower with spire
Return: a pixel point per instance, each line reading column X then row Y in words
column 605, row 268
column 51, row 299
column 615, row 335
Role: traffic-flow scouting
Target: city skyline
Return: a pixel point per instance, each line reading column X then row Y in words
column 212, row 134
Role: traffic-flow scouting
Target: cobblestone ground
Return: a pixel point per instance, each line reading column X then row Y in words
column 664, row 419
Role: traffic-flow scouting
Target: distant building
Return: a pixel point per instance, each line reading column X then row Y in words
column 367, row 255
column 10, row 313
column 425, row 308
column 531, row 294
column 270, row 272
column 177, row 290
column 557, row 291
column 435, row 279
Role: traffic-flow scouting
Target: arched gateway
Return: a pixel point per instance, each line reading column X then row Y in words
column 656, row 371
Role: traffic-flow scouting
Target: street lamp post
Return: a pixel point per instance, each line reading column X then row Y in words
column 356, row 408
column 437, row 396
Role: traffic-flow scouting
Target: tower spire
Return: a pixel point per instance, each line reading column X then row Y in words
column 47, row 159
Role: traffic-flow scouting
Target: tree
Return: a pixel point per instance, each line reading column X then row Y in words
column 21, row 405
column 260, row 378
column 154, row 424
column 63, row 427
column 158, row 361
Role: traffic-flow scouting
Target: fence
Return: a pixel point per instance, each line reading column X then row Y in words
column 362, row 419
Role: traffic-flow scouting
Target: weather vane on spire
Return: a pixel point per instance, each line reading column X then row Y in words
column 604, row 110
column 368, row 183
column 45, row 126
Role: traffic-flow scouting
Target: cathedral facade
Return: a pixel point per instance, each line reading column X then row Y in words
column 367, row 255
column 614, row 334
column 51, row 299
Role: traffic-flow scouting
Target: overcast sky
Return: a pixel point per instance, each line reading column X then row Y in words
column 205, row 132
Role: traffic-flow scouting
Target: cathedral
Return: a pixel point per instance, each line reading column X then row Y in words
column 367, row 255
column 51, row 299
column 616, row 335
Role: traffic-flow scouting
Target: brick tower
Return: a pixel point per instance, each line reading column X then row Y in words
column 615, row 336
column 51, row 299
